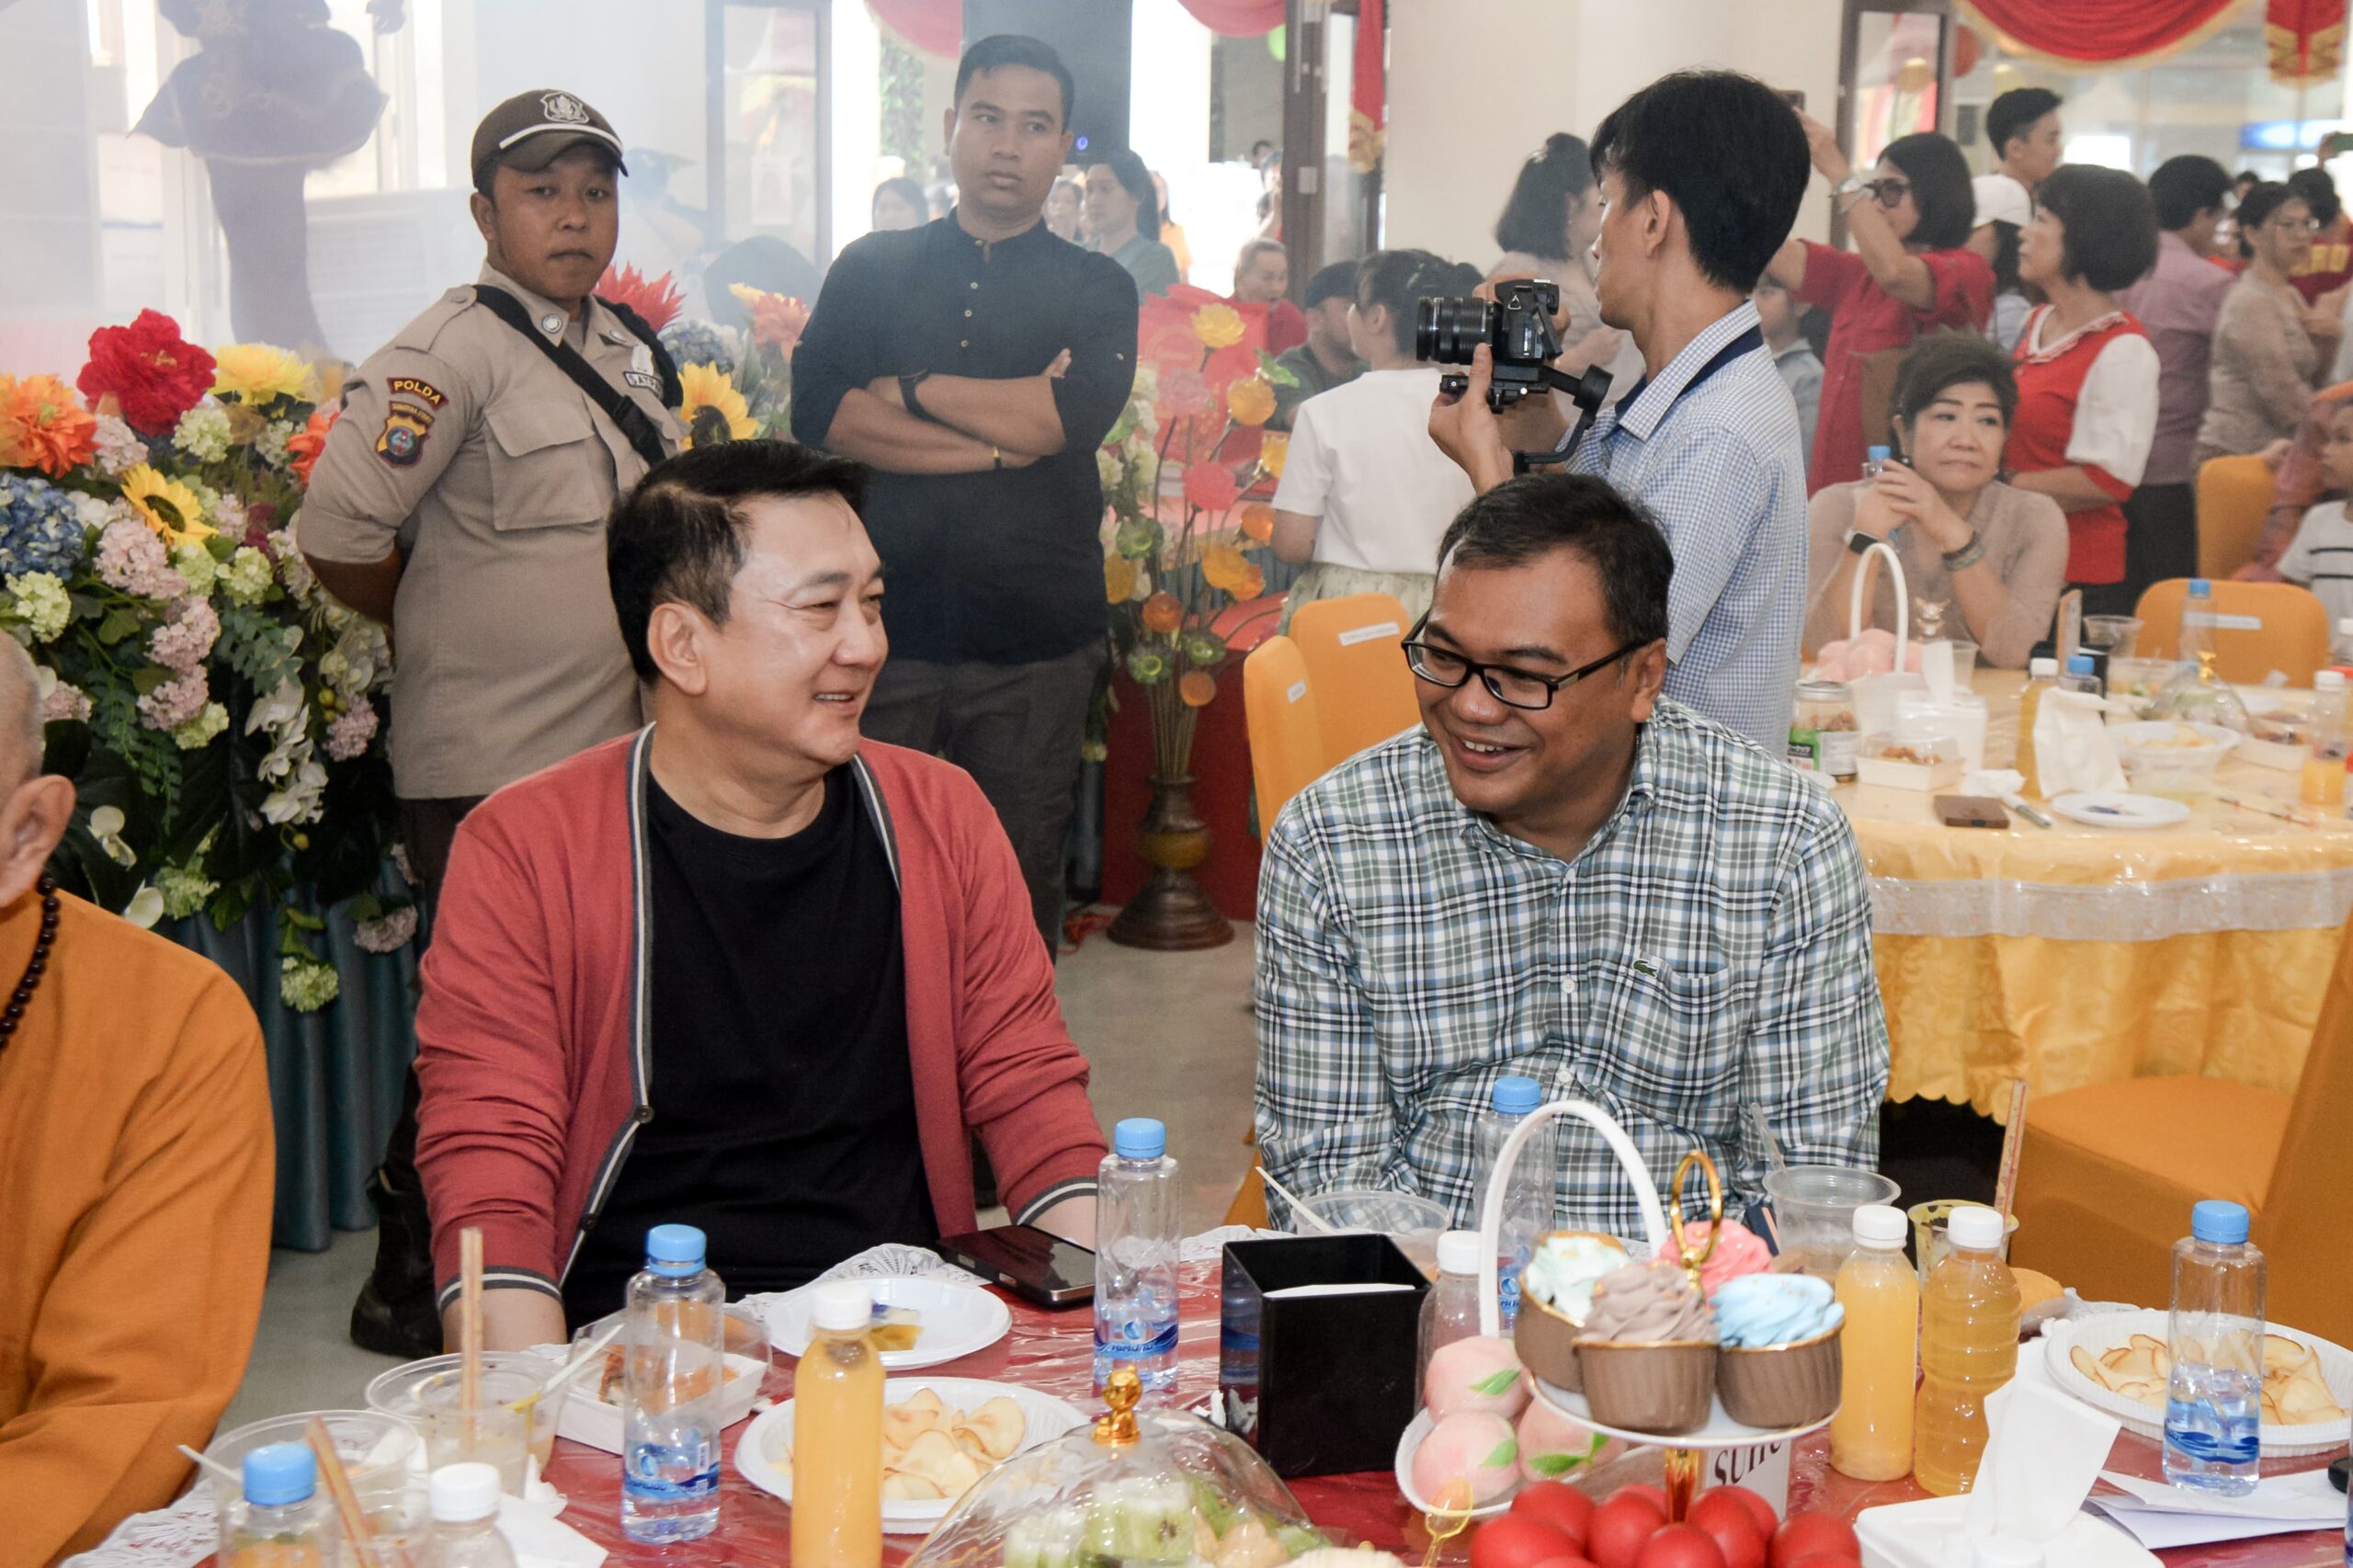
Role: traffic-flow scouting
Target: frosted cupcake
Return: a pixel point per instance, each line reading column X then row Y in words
column 1556, row 1297
column 1648, row 1351
column 1779, row 1365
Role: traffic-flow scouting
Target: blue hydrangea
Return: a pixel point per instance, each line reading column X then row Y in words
column 40, row 529
column 700, row 343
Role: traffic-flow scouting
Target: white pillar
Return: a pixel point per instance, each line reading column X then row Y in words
column 856, row 119
column 1168, row 88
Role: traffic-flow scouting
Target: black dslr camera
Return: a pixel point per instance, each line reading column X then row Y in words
column 1518, row 327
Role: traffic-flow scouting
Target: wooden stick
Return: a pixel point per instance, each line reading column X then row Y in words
column 346, row 1502
column 469, row 1329
column 2006, row 1185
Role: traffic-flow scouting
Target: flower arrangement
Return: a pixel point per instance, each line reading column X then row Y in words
column 1167, row 584
column 655, row 300
column 216, row 710
column 738, row 384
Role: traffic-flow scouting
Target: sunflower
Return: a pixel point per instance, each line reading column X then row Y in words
column 257, row 374
column 713, row 410
column 169, row 508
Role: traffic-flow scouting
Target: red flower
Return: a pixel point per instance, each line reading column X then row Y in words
column 303, row 448
column 657, row 300
column 1211, row 487
column 153, row 373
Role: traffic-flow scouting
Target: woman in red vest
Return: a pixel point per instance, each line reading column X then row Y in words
column 2087, row 374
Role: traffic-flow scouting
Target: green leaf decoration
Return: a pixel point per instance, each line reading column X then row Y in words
column 1496, row 1384
column 1506, row 1453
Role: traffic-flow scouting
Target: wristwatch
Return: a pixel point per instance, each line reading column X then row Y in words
column 1847, row 187
column 907, row 393
column 1859, row 541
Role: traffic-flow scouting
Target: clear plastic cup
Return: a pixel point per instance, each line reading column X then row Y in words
column 1414, row 1223
column 425, row 1393
column 376, row 1450
column 1929, row 1242
column 2118, row 634
column 1964, row 663
column 1814, row 1211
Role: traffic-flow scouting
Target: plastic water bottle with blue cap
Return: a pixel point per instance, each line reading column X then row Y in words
column 281, row 1512
column 2214, row 1404
column 676, row 1360
column 1528, row 1204
column 1875, row 460
column 1139, row 1219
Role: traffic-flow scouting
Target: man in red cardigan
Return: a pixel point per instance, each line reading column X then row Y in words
column 739, row 969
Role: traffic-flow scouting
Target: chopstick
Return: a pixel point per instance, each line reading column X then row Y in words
column 470, row 1328
column 2006, row 1185
column 2263, row 806
column 346, row 1502
column 571, row 1368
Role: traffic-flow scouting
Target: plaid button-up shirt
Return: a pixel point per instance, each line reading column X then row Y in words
column 1706, row 951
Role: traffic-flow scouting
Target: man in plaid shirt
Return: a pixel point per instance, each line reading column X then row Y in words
column 1565, row 876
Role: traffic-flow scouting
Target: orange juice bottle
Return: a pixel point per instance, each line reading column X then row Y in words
column 837, row 1436
column 1969, row 1348
column 2325, row 767
column 1871, row 1438
column 2042, row 675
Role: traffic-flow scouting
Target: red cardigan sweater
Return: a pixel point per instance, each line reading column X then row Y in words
column 533, row 1048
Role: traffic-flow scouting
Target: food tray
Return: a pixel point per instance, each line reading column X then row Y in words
column 2109, row 1330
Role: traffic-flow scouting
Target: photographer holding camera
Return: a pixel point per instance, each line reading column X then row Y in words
column 1701, row 174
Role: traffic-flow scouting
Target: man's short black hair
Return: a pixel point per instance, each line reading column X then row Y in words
column 1940, row 187
column 2112, row 225
column 678, row 535
column 2319, row 191
column 1727, row 151
column 1526, row 518
column 1954, row 359
column 2184, row 187
column 2013, row 114
column 1017, row 49
column 1338, row 281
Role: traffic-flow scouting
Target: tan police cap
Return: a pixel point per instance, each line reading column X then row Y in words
column 532, row 130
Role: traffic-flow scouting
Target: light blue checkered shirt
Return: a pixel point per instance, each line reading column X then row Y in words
column 1706, row 951
column 1723, row 472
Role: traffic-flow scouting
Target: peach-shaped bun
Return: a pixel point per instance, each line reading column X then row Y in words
column 1477, row 1373
column 1475, row 1446
column 1554, row 1448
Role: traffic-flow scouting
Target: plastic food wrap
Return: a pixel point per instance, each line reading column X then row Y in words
column 1140, row 1487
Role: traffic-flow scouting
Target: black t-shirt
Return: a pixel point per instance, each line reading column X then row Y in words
column 783, row 1100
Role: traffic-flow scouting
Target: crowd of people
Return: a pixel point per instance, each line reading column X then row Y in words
column 843, row 810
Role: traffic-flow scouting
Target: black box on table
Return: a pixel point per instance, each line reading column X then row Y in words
column 1319, row 1384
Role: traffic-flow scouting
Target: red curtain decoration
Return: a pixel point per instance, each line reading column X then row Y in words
column 2307, row 39
column 928, row 26
column 2111, row 33
column 1369, row 94
column 1238, row 18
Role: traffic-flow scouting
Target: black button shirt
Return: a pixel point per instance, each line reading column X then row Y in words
column 783, row 1096
column 997, row 567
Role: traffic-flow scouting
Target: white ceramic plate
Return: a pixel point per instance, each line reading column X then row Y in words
column 2119, row 808
column 756, row 1453
column 1719, row 1431
column 956, row 1320
column 2109, row 1330
column 1409, row 1443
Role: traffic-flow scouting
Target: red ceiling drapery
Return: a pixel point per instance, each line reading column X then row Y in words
column 1369, row 89
column 2110, row 33
column 936, row 26
column 2306, row 38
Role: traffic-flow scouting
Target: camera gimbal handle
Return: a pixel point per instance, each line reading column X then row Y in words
column 1589, row 391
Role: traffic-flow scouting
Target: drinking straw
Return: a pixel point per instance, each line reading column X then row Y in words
column 215, row 1466
column 2005, row 1185
column 587, row 1355
column 1297, row 1208
column 470, row 1328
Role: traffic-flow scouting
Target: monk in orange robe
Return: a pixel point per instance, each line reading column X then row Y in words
column 136, row 1164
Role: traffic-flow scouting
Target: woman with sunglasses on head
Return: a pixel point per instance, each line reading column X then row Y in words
column 2267, row 341
column 1910, row 273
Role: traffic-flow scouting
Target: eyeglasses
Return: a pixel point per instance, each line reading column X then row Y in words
column 2294, row 225
column 1512, row 688
column 1889, row 192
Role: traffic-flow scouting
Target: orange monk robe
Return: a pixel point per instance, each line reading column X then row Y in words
column 136, row 1164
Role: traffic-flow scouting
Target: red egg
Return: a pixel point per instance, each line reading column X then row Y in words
column 1560, row 1505
column 1564, row 1562
column 1813, row 1535
column 1732, row 1527
column 1518, row 1541
column 1656, row 1494
column 1827, row 1560
column 1681, row 1546
column 1759, row 1509
column 1620, row 1526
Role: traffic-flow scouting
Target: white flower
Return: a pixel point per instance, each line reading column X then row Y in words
column 247, row 577
column 43, row 602
column 119, row 447
column 389, row 933
column 307, row 984
column 1108, row 467
column 197, row 568
column 283, row 713
column 302, row 799
column 146, row 907
column 93, row 513
column 203, row 432
column 197, row 733
column 293, row 570
column 184, row 890
column 106, row 826
column 271, row 442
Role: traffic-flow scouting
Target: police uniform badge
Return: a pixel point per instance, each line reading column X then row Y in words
column 402, row 441
column 640, row 372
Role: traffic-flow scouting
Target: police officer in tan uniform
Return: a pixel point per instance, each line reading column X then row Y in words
column 461, row 500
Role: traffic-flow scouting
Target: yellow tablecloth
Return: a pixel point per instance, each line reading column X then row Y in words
column 2083, row 955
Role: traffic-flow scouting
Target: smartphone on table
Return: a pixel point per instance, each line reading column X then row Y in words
column 1029, row 1261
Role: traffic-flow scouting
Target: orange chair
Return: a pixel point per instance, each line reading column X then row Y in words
column 1250, row 1205
column 2108, row 1174
column 2289, row 630
column 2234, row 500
column 1287, row 749
column 1359, row 678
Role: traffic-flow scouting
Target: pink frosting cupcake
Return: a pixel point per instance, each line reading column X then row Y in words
column 1739, row 1251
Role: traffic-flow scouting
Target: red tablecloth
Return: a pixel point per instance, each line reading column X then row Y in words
column 1054, row 1353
